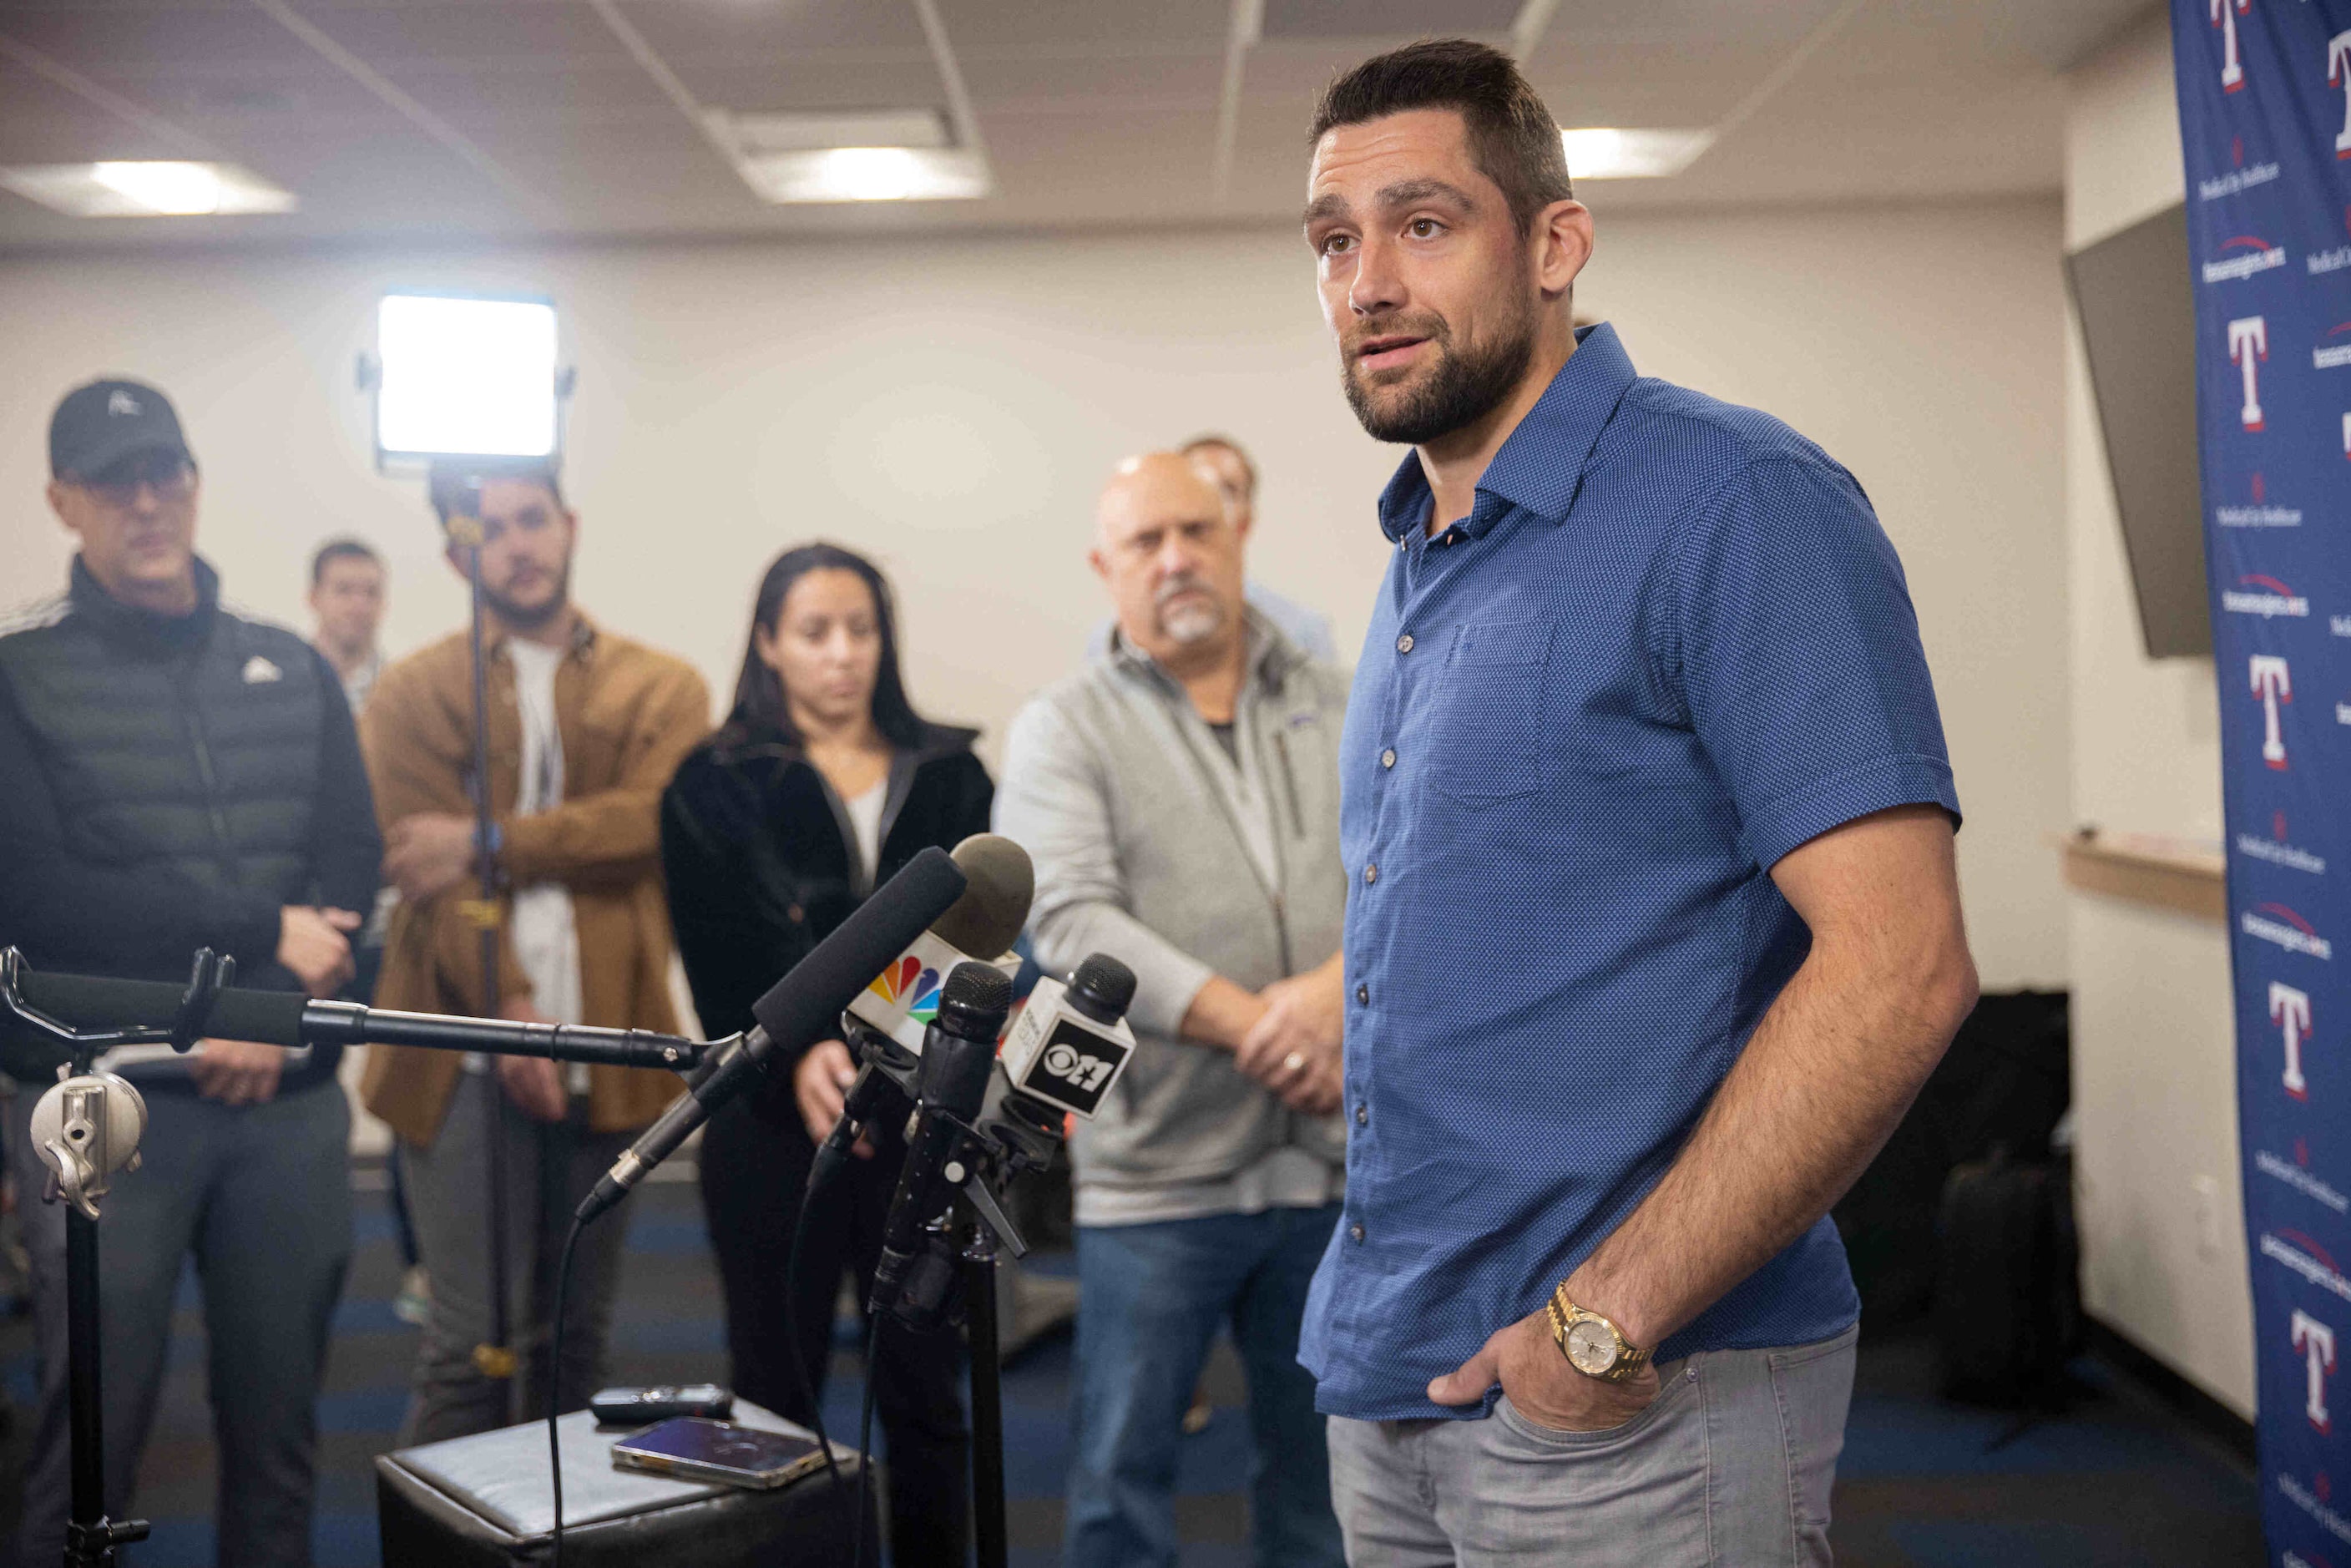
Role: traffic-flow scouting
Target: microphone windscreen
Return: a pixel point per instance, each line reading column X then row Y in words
column 981, row 988
column 805, row 1005
column 1002, row 883
column 93, row 1002
column 96, row 1002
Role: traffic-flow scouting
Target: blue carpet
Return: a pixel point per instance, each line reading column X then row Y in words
column 2112, row 1481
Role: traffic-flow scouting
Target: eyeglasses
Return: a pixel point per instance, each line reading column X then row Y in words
column 172, row 478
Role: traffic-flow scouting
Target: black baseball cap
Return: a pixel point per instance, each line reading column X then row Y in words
column 97, row 425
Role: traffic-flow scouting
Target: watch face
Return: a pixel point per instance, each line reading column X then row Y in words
column 1591, row 1347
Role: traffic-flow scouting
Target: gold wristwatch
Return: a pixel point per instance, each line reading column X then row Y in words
column 1593, row 1344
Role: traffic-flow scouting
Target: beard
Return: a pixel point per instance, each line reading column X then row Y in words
column 1197, row 618
column 1468, row 382
column 531, row 617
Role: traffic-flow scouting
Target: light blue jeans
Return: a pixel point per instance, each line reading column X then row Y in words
column 1731, row 1467
column 1149, row 1300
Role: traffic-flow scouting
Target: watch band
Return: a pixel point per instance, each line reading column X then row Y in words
column 1565, row 1314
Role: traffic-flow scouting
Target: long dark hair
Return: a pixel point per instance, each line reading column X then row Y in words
column 761, row 708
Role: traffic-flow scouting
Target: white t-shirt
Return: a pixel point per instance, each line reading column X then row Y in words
column 546, row 942
column 866, row 819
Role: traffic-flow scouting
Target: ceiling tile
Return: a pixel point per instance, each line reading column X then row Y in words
column 1000, row 23
column 799, row 81
column 681, row 30
column 1386, row 18
column 1098, row 84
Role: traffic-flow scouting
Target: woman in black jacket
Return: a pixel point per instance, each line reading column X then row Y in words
column 821, row 784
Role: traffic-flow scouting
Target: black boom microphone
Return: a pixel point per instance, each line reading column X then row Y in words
column 89, row 1002
column 800, row 1010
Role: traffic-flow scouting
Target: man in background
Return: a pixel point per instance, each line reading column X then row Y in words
column 347, row 601
column 1179, row 796
column 1222, row 461
column 175, row 777
column 584, row 937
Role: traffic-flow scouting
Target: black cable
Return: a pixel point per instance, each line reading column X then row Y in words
column 555, row 1390
column 806, row 1386
column 865, row 1445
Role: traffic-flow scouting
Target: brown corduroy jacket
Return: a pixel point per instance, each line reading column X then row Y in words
column 627, row 714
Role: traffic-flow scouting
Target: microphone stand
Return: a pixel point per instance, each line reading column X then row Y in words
column 494, row 1358
column 99, row 1120
column 999, row 1142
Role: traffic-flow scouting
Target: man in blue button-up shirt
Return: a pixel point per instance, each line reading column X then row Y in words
column 1652, row 929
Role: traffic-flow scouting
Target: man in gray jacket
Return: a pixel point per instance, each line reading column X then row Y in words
column 1180, row 796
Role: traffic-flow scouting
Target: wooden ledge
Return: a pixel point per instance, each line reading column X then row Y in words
column 2141, row 868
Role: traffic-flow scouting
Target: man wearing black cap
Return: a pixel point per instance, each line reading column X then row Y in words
column 173, row 776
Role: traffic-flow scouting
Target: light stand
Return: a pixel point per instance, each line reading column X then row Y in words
column 494, row 1358
column 473, row 381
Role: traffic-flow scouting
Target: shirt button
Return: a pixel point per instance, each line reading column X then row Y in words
column 1371, row 873
column 1363, row 995
column 1387, row 757
column 1404, row 644
column 1362, row 1115
column 1355, row 1233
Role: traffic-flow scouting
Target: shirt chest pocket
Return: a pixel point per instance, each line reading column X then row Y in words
column 1483, row 731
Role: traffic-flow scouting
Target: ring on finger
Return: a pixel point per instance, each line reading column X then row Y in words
column 1294, row 1061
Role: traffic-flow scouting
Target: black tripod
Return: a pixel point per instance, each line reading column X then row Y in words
column 87, row 1127
column 494, row 1358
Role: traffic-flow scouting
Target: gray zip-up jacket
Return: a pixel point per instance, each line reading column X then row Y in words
column 1152, row 846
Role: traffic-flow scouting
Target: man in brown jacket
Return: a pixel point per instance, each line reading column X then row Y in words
column 585, row 729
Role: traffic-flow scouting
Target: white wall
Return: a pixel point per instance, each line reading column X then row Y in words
column 951, row 406
column 2154, row 1042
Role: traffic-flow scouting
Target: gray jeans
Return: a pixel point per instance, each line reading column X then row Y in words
column 1731, row 1467
column 261, row 1195
column 548, row 1169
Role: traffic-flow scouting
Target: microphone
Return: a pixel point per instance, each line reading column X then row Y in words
column 958, row 1060
column 984, row 923
column 88, row 1002
column 802, row 1008
column 905, row 997
column 1072, row 1041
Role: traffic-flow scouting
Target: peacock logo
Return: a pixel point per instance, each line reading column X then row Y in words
column 910, row 976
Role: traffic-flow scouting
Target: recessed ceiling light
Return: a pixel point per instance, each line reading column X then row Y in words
column 880, row 155
column 146, row 189
column 866, row 174
column 1609, row 153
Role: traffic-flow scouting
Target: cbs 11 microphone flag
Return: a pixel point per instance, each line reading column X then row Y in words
column 2265, row 124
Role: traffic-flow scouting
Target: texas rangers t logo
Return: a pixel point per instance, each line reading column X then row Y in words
column 2224, row 16
column 2249, row 342
column 2290, row 1010
column 2273, row 684
column 2338, row 74
column 2315, row 1341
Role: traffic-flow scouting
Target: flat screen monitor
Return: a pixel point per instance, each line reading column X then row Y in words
column 2139, row 323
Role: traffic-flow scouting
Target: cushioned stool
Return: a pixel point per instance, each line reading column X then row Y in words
column 484, row 1501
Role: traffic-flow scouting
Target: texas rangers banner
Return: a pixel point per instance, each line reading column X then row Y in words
column 2265, row 122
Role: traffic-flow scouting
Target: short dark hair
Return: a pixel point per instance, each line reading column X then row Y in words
column 344, row 549
column 1212, row 438
column 1512, row 137
column 453, row 485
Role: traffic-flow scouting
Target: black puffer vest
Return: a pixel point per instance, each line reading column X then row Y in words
column 188, row 744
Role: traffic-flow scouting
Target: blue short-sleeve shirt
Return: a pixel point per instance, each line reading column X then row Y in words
column 1669, row 644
